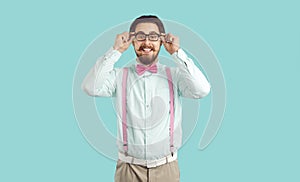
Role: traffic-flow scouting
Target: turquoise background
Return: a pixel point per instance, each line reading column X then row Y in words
column 256, row 42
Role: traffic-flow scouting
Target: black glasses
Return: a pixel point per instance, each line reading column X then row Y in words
column 152, row 36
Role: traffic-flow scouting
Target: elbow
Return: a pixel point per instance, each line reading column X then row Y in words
column 87, row 90
column 204, row 91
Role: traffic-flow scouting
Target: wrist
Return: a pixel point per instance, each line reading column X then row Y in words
column 117, row 49
column 174, row 51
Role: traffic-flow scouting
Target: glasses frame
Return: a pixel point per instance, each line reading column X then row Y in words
column 147, row 35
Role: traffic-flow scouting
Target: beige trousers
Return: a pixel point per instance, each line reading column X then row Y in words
column 126, row 172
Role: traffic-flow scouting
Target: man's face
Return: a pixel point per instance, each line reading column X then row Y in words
column 147, row 50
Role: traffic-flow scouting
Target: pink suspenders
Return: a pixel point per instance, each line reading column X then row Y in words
column 124, row 113
column 170, row 82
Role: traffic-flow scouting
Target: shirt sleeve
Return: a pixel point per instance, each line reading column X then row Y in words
column 190, row 80
column 101, row 79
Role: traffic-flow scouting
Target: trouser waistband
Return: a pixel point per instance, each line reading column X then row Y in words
column 148, row 163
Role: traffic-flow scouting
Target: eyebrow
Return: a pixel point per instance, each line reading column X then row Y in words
column 145, row 33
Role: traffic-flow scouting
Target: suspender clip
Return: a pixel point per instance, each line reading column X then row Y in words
column 172, row 149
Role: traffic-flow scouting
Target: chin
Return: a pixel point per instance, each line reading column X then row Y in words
column 147, row 59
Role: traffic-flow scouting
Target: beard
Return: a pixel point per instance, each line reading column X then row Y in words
column 147, row 59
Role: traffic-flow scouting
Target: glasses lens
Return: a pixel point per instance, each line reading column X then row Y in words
column 140, row 36
column 153, row 37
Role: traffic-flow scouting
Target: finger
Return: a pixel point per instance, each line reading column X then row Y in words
column 163, row 38
column 125, row 36
column 131, row 37
column 165, row 43
column 175, row 40
column 123, row 39
column 119, row 36
column 169, row 38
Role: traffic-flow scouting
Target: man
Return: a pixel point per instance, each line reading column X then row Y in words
column 148, row 103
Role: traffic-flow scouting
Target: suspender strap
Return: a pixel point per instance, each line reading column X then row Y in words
column 170, row 82
column 124, row 112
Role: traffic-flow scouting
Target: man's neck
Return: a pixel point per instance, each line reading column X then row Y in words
column 153, row 63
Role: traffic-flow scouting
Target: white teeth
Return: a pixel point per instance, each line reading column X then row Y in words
column 147, row 49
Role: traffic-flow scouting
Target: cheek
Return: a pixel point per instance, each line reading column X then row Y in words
column 136, row 45
column 157, row 46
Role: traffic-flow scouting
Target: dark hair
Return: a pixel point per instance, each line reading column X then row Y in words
column 147, row 19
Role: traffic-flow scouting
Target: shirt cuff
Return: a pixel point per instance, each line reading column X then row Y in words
column 181, row 57
column 112, row 56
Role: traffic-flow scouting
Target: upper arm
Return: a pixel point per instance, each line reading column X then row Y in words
column 189, row 86
column 102, row 86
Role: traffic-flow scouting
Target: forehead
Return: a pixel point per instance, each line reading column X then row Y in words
column 147, row 27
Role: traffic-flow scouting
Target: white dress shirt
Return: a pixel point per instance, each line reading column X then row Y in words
column 148, row 99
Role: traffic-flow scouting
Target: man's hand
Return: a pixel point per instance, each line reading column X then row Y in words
column 171, row 43
column 122, row 41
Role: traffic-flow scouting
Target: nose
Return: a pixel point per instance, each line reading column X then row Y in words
column 146, row 39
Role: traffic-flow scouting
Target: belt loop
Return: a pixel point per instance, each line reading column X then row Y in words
column 167, row 160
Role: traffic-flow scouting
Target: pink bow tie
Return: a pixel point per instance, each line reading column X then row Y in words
column 140, row 69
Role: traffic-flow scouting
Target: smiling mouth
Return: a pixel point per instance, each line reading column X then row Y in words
column 146, row 50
